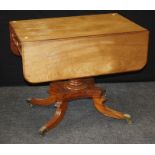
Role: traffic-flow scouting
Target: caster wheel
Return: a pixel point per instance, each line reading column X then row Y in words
column 57, row 104
column 42, row 130
column 29, row 102
column 128, row 118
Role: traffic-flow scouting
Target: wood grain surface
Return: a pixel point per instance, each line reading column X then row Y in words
column 68, row 27
column 81, row 46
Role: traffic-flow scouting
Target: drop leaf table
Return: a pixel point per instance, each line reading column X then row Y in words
column 70, row 51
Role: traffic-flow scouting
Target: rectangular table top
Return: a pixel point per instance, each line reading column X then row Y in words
column 70, row 27
column 80, row 46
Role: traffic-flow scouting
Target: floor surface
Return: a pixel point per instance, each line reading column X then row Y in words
column 82, row 123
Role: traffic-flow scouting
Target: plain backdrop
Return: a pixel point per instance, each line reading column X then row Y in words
column 11, row 66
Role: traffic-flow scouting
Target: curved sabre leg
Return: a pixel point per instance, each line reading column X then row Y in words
column 105, row 110
column 42, row 102
column 58, row 116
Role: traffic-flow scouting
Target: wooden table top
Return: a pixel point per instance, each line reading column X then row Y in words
column 80, row 46
column 70, row 27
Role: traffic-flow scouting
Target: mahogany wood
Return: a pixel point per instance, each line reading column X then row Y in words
column 75, row 47
column 61, row 92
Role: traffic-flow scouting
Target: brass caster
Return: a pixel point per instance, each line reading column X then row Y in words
column 42, row 130
column 29, row 102
column 128, row 118
column 57, row 104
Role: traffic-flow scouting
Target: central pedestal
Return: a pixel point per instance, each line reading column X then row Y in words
column 61, row 92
